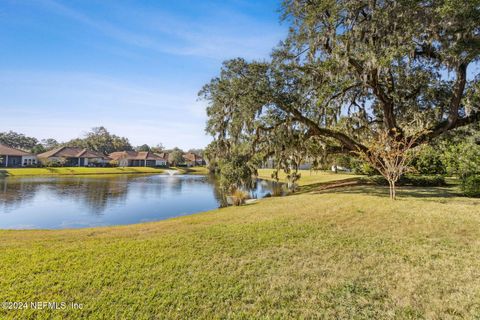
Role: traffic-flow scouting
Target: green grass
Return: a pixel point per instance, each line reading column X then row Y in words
column 77, row 171
column 193, row 170
column 308, row 177
column 341, row 254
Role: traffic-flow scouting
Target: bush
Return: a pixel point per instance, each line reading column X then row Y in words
column 237, row 198
column 429, row 161
column 364, row 168
column 471, row 186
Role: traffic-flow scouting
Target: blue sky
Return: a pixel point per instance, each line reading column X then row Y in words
column 134, row 67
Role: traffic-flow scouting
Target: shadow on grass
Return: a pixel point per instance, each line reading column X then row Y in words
column 436, row 194
column 357, row 186
column 404, row 192
column 332, row 185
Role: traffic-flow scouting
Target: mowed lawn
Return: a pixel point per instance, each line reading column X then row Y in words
column 308, row 177
column 77, row 171
column 192, row 170
column 348, row 253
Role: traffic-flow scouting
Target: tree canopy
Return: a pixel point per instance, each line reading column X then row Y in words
column 349, row 71
column 101, row 140
column 17, row 140
column 175, row 156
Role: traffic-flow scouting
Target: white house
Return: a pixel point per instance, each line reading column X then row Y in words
column 75, row 157
column 11, row 157
column 138, row 159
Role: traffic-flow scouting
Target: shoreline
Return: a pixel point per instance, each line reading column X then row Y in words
column 77, row 171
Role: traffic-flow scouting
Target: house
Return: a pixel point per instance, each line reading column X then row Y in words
column 11, row 157
column 163, row 155
column 137, row 159
column 74, row 157
column 191, row 160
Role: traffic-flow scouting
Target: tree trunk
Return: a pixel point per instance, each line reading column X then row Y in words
column 391, row 187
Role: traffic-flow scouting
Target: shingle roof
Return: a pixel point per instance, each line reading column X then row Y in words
column 68, row 152
column 8, row 151
column 192, row 157
column 163, row 155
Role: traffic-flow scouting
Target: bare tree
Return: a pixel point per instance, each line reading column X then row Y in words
column 391, row 155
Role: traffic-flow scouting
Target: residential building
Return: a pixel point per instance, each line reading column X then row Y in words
column 137, row 159
column 74, row 157
column 11, row 157
column 192, row 159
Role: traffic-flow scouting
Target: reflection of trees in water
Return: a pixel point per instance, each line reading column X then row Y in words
column 263, row 187
column 14, row 193
column 258, row 189
column 218, row 193
column 93, row 193
column 147, row 186
column 96, row 194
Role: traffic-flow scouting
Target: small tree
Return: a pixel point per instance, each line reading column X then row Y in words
column 391, row 155
column 176, row 157
column 143, row 148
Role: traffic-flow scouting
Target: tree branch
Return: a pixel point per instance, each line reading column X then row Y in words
column 446, row 125
column 345, row 140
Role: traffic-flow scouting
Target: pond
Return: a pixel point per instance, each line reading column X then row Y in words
column 77, row 202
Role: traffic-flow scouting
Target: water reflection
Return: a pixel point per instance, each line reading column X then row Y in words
column 61, row 202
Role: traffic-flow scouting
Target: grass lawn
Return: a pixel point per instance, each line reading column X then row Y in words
column 76, row 171
column 308, row 177
column 348, row 253
column 193, row 170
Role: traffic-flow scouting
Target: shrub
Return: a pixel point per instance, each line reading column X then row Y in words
column 463, row 160
column 429, row 161
column 361, row 167
column 238, row 197
column 423, row 181
column 471, row 186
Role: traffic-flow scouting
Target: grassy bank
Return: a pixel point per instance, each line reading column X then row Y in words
column 192, row 170
column 308, row 177
column 76, row 171
column 343, row 254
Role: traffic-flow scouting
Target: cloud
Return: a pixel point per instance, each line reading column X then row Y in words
column 221, row 34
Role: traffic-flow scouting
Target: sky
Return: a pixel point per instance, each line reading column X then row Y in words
column 133, row 66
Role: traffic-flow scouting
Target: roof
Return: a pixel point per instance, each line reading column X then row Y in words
column 192, row 157
column 68, row 152
column 8, row 151
column 163, row 155
column 134, row 155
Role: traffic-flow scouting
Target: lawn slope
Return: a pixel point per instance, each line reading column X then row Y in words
column 347, row 254
column 192, row 170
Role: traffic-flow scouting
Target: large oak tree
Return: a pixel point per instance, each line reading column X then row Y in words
column 349, row 72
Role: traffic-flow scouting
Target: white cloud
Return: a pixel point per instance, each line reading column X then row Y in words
column 223, row 34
